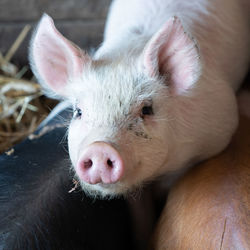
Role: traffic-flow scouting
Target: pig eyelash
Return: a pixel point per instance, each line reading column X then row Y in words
column 77, row 114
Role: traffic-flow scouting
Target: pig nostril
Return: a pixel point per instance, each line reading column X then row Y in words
column 99, row 163
column 110, row 163
column 88, row 164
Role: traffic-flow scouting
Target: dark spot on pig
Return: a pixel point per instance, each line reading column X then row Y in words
column 109, row 97
column 130, row 126
column 167, row 76
column 137, row 30
column 142, row 134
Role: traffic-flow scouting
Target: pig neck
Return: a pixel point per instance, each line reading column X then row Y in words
column 202, row 123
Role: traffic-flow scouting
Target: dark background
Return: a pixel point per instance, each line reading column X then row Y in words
column 81, row 21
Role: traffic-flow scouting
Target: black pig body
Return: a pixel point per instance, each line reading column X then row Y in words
column 38, row 212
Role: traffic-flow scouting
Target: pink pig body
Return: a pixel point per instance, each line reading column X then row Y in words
column 220, row 27
column 157, row 96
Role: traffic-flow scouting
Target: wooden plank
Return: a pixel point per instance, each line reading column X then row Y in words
column 85, row 34
column 24, row 10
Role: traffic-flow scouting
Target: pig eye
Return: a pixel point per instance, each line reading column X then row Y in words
column 77, row 113
column 147, row 110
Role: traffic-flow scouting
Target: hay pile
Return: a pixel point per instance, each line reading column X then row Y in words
column 22, row 104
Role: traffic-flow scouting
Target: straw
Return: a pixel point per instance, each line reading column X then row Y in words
column 21, row 106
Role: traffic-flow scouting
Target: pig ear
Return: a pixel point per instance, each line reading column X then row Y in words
column 172, row 53
column 54, row 59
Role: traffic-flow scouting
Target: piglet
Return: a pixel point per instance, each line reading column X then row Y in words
column 158, row 95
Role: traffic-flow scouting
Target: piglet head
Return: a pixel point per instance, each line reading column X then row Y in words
column 120, row 135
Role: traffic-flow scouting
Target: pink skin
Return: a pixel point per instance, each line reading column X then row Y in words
column 100, row 163
column 52, row 68
column 172, row 51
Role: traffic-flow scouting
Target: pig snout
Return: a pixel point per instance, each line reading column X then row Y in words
column 100, row 163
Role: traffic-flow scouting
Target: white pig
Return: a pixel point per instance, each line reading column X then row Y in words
column 156, row 97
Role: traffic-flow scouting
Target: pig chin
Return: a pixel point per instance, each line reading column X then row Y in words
column 102, row 190
column 126, row 186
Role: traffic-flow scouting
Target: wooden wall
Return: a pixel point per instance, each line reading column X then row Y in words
column 81, row 21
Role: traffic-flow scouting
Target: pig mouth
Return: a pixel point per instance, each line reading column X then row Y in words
column 117, row 187
column 105, row 191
